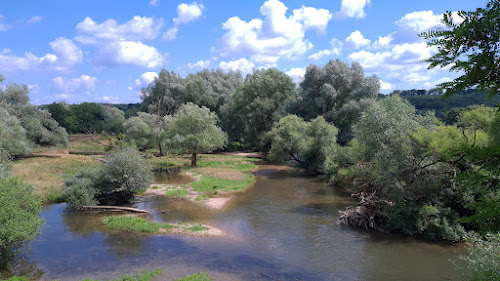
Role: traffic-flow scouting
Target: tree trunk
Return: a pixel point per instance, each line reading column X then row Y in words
column 193, row 159
column 159, row 146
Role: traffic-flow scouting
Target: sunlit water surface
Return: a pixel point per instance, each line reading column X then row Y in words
column 283, row 228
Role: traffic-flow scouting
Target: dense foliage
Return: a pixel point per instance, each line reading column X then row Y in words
column 194, row 130
column 23, row 126
column 256, row 105
column 470, row 44
column 125, row 173
column 338, row 92
column 482, row 263
column 19, row 208
column 307, row 143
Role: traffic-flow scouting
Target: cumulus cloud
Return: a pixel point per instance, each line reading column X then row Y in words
column 297, row 74
column 201, row 64
column 356, row 40
column 242, row 65
column 335, row 51
column 35, row 19
column 186, row 13
column 107, row 99
column 153, row 3
column 384, row 86
column 275, row 36
column 3, row 26
column 65, row 86
column 6, row 51
column 145, row 79
column 352, row 9
column 401, row 63
column 66, row 54
column 120, row 44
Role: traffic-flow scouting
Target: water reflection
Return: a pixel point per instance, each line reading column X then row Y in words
column 170, row 176
column 283, row 228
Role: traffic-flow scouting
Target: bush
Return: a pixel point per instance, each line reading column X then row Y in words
column 483, row 260
column 19, row 220
column 81, row 189
column 124, row 174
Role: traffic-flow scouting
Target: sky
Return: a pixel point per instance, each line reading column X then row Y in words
column 106, row 51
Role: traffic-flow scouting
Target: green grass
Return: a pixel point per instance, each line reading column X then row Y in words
column 201, row 197
column 18, row 278
column 146, row 276
column 176, row 193
column 155, row 187
column 208, row 183
column 197, row 227
column 135, row 224
column 202, row 276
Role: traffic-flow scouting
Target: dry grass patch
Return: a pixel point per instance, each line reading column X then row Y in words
column 48, row 174
column 221, row 173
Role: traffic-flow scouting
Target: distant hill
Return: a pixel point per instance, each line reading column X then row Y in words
column 425, row 100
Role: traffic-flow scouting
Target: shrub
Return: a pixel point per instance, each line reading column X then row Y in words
column 19, row 220
column 125, row 174
column 202, row 276
column 482, row 262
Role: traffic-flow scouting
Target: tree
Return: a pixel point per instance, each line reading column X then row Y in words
column 211, row 88
column 140, row 129
column 307, row 143
column 19, row 209
column 256, row 105
column 125, row 173
column 194, row 129
column 87, row 117
column 470, row 44
column 12, row 135
column 337, row 92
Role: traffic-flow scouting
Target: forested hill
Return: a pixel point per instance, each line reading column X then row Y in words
column 426, row 100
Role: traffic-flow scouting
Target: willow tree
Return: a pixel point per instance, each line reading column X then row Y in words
column 337, row 92
column 194, row 130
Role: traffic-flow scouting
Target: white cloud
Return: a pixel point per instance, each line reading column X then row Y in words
column 186, row 13
column 34, row 88
column 6, row 51
column 107, row 99
column 153, row 2
column 420, row 21
column 66, row 54
column 3, row 26
column 352, row 9
column 274, row 37
column 138, row 28
column 201, row 64
column 312, row 18
column 82, row 84
column 335, row 51
column 35, row 19
column 242, row 65
column 384, row 86
column 297, row 74
column 145, row 79
column 401, row 63
column 356, row 40
column 120, row 44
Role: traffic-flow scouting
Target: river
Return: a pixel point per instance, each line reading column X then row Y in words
column 282, row 228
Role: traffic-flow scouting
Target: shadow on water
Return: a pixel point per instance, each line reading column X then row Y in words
column 170, row 176
column 283, row 228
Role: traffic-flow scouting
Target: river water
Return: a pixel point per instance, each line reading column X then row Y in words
column 282, row 228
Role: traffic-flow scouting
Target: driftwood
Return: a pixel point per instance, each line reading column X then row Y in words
column 116, row 208
column 366, row 213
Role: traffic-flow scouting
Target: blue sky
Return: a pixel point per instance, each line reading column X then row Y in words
column 105, row 51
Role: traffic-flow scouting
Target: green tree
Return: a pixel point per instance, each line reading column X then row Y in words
column 12, row 135
column 194, row 129
column 19, row 209
column 307, row 143
column 87, row 117
column 256, row 105
column 471, row 46
column 337, row 92
column 140, row 129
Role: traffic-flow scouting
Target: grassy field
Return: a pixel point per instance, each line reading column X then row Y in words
column 136, row 224
column 47, row 174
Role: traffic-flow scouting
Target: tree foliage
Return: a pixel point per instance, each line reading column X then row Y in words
column 307, row 143
column 125, row 173
column 194, row 129
column 470, row 44
column 338, row 92
column 256, row 105
column 19, row 209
